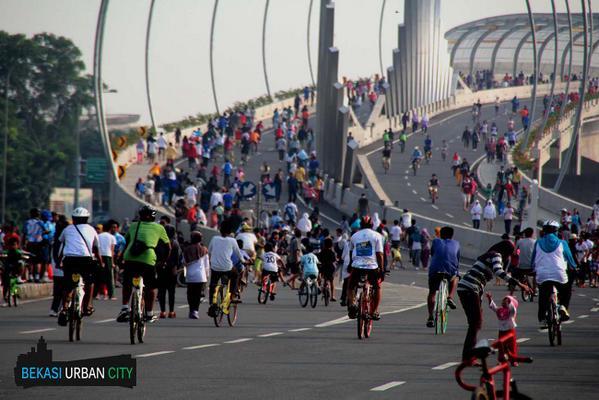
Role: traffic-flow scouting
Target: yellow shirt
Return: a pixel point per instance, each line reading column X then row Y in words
column 155, row 170
column 171, row 153
column 300, row 174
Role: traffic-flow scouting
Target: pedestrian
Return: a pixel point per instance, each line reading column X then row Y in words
column 107, row 243
column 508, row 216
column 197, row 270
column 476, row 212
column 506, row 319
column 426, row 248
column 489, row 215
column 167, row 275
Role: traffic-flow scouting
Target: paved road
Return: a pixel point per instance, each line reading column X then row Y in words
column 283, row 351
column 412, row 191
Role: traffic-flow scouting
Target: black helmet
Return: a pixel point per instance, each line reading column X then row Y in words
column 147, row 213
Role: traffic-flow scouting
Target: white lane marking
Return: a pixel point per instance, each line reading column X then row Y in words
column 299, row 330
column 37, row 331
column 21, row 302
column 582, row 295
column 345, row 319
column 423, row 199
column 337, row 321
column 201, row 346
column 583, row 316
column 571, row 321
column 449, row 215
column 595, row 299
column 183, row 306
column 405, row 177
column 466, row 224
column 450, row 140
column 407, row 171
column 445, row 366
column 434, row 206
column 415, row 192
column 404, row 309
column 387, row 386
column 270, row 334
column 239, row 340
column 522, row 340
column 103, row 321
column 594, row 309
column 409, row 184
column 457, row 137
column 158, row 353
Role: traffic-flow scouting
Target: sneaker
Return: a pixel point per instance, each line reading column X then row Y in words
column 202, row 300
column 543, row 325
column 45, row 280
column 162, row 315
column 63, row 318
column 352, row 311
column 451, row 303
column 343, row 303
column 20, row 281
column 563, row 313
column 53, row 313
column 272, row 297
column 172, row 314
column 430, row 323
column 123, row 315
column 375, row 316
column 238, row 300
column 333, row 299
column 150, row 318
column 194, row 315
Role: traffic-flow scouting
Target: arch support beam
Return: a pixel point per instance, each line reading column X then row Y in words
column 475, row 48
column 458, row 42
column 266, row 5
column 500, row 42
column 212, row 55
column 309, row 48
column 147, row 65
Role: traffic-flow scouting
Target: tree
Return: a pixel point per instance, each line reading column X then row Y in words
column 47, row 93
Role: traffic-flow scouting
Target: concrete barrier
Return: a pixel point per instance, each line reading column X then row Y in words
column 29, row 291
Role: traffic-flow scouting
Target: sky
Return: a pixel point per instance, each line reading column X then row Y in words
column 179, row 45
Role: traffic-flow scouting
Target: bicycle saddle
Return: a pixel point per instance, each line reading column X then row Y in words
column 482, row 349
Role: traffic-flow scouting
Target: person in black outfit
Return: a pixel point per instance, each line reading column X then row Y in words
column 167, row 275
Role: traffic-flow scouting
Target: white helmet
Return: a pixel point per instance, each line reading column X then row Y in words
column 551, row 223
column 80, row 212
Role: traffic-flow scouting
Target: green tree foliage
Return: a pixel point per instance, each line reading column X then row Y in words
column 47, row 92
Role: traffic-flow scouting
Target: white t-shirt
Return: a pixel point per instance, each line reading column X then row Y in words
column 217, row 197
column 221, row 249
column 269, row 262
column 191, row 192
column 107, row 242
column 406, row 220
column 365, row 244
column 161, row 142
column 508, row 213
column 395, row 233
column 249, row 241
column 197, row 271
column 149, row 186
column 73, row 242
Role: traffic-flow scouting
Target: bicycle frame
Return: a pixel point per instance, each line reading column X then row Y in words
column 78, row 294
column 137, row 293
column 504, row 357
column 226, row 301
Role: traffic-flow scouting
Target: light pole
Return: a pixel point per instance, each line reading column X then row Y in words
column 5, row 155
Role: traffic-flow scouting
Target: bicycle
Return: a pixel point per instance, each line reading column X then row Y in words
column 486, row 387
column 365, row 307
column 428, row 155
column 441, row 307
column 75, row 313
column 326, row 293
column 224, row 303
column 266, row 290
column 434, row 193
column 308, row 291
column 386, row 164
column 528, row 280
column 554, row 323
column 415, row 165
column 137, row 324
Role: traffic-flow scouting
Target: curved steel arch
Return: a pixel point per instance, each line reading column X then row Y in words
column 308, row 43
column 458, row 42
column 533, row 33
column 535, row 74
column 264, row 48
column 567, row 90
column 475, row 48
column 500, row 42
column 548, row 39
column 212, row 55
column 381, row 38
column 567, row 50
column 147, row 65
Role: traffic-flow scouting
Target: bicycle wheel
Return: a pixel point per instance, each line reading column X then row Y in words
column 232, row 315
column 181, row 281
column 72, row 319
column 440, row 309
column 303, row 295
column 551, row 324
column 218, row 317
column 483, row 392
column 313, row 294
column 360, row 318
column 264, row 292
column 558, row 333
column 133, row 319
column 368, row 320
column 15, row 302
column 141, row 325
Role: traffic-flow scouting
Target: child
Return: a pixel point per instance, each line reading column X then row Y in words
column 198, row 265
column 12, row 259
column 270, row 267
column 506, row 315
column 309, row 261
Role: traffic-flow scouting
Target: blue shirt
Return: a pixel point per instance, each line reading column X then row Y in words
column 227, row 200
column 445, row 256
column 120, row 243
column 309, row 264
column 34, row 229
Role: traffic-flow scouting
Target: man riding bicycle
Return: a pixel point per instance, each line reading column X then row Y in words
column 416, row 155
column 387, row 156
column 146, row 240
column 550, row 259
column 428, row 146
column 445, row 263
column 433, row 185
column 80, row 245
column 366, row 257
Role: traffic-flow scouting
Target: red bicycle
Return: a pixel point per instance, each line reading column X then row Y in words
column 486, row 388
column 266, row 290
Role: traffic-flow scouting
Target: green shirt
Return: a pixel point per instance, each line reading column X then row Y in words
column 150, row 233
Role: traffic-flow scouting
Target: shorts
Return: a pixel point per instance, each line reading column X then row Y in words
column 310, row 275
column 293, row 267
column 134, row 268
column 395, row 254
column 465, row 196
column 328, row 272
column 274, row 276
column 434, row 280
column 87, row 267
column 395, row 244
column 373, row 276
column 37, row 249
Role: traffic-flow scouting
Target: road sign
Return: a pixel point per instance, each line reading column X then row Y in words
column 269, row 191
column 96, row 170
column 248, row 190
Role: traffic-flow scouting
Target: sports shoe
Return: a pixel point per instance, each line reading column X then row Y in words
column 53, row 313
column 543, row 325
column 150, row 318
column 352, row 311
column 375, row 316
column 172, row 314
column 63, row 318
column 451, row 303
column 194, row 315
column 162, row 315
column 430, row 323
column 563, row 313
column 123, row 315
column 272, row 297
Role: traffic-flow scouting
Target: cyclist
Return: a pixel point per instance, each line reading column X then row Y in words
column 445, row 263
column 403, row 138
column 272, row 266
column 550, row 259
column 366, row 256
column 433, row 185
column 471, row 287
column 309, row 261
column 80, row 245
column 428, row 147
column 386, row 157
column 146, row 241
column 221, row 248
column 416, row 155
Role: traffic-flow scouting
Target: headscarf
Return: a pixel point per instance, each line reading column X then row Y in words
column 304, row 224
column 376, row 221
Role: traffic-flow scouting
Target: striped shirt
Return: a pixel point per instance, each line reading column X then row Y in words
column 482, row 272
